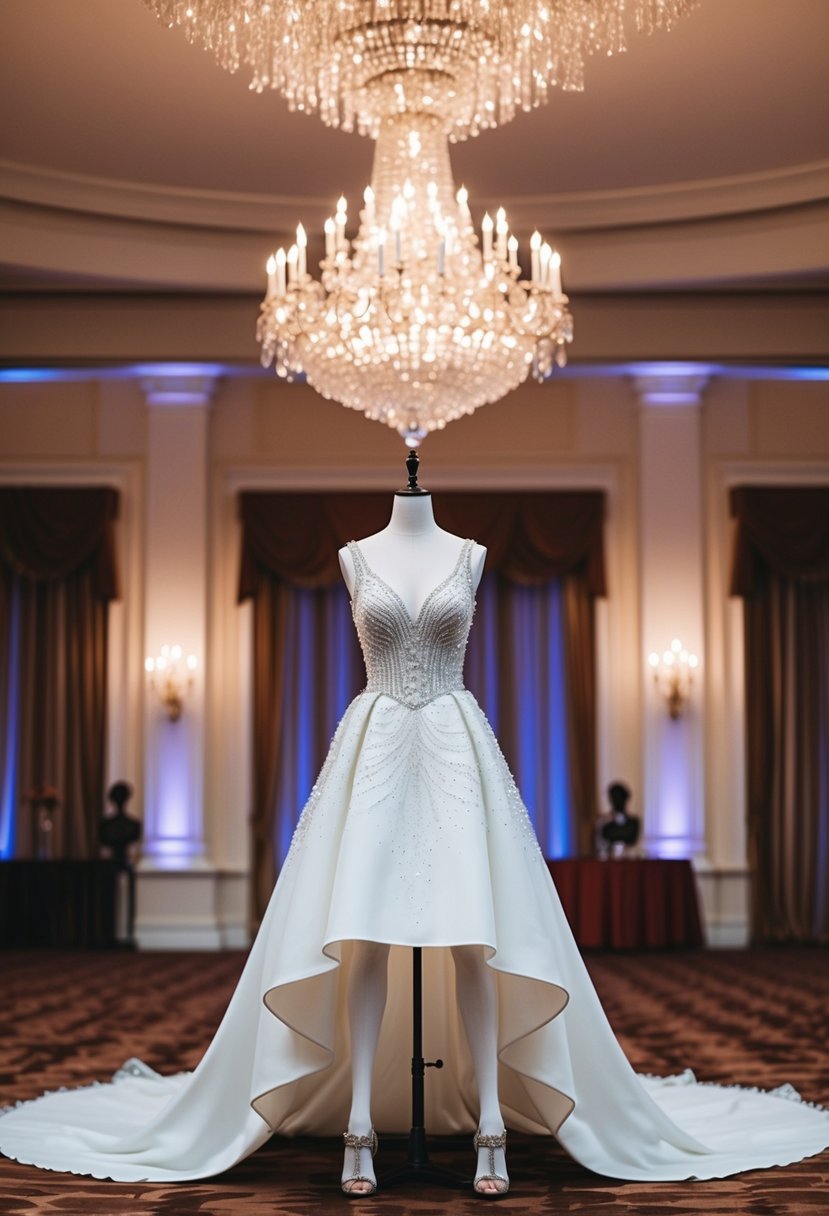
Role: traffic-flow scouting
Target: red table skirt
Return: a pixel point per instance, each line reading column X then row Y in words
column 635, row 903
column 67, row 904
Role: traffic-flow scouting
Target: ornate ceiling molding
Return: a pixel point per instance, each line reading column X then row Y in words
column 34, row 185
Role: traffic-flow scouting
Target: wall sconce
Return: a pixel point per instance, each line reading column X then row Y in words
column 171, row 678
column 673, row 675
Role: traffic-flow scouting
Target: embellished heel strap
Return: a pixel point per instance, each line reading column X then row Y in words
column 490, row 1143
column 356, row 1144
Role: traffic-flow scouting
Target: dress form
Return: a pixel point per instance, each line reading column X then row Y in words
column 412, row 554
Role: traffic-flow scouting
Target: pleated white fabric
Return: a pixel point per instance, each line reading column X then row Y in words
column 414, row 835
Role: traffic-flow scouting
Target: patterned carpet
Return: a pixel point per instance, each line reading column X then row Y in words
column 755, row 1018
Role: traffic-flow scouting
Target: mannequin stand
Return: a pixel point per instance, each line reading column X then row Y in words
column 412, row 466
column 418, row 1166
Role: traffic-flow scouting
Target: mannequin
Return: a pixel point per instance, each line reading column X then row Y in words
column 413, row 555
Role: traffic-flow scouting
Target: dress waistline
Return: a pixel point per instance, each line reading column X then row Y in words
column 377, row 690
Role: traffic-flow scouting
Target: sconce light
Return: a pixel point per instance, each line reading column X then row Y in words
column 171, row 678
column 673, row 675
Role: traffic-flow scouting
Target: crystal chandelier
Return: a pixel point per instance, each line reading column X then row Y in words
column 477, row 61
column 413, row 323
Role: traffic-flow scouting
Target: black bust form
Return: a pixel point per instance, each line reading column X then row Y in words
column 621, row 828
column 120, row 830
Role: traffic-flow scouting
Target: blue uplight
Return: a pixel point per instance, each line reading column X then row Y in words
column 8, row 789
column 806, row 373
column 305, row 702
column 287, row 795
column 528, row 704
column 33, row 375
column 560, row 828
column 132, row 371
column 530, row 643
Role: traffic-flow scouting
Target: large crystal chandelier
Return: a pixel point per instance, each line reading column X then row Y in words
column 483, row 59
column 414, row 322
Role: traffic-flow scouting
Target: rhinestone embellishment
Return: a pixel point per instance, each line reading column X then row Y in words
column 413, row 661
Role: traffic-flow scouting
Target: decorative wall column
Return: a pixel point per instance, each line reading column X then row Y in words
column 671, row 597
column 175, row 887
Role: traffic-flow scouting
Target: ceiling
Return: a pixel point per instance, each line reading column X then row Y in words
column 130, row 160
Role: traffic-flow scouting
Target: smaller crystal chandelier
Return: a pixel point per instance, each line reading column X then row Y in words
column 413, row 322
column 673, row 675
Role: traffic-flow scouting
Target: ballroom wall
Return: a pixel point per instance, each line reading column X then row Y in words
column 665, row 443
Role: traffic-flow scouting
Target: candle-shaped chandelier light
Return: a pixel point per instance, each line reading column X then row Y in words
column 414, row 322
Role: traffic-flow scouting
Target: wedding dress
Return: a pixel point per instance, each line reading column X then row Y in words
column 414, row 834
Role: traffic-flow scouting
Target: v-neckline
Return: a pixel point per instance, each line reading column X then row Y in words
column 413, row 621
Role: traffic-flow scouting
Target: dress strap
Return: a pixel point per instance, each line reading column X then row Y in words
column 362, row 568
column 360, row 565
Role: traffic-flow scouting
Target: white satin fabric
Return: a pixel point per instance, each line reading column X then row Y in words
column 415, row 835
column 279, row 1060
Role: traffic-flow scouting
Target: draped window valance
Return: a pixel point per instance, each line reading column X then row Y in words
column 531, row 537
column 784, row 529
column 48, row 533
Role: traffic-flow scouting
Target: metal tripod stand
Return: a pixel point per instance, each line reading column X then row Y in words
column 418, row 1166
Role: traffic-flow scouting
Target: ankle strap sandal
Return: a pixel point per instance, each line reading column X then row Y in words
column 356, row 1144
column 501, row 1183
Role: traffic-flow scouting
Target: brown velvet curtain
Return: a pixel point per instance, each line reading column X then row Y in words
column 530, row 537
column 292, row 540
column 781, row 569
column 57, row 576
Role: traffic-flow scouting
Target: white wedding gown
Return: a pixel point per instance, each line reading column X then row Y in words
column 414, row 834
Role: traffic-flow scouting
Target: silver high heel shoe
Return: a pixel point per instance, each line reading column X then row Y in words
column 356, row 1143
column 501, row 1183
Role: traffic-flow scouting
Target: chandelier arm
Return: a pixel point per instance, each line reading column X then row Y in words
column 296, row 314
column 348, row 339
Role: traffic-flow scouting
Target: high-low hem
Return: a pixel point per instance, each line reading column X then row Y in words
column 414, row 834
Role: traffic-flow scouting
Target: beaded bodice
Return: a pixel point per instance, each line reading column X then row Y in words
column 413, row 661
